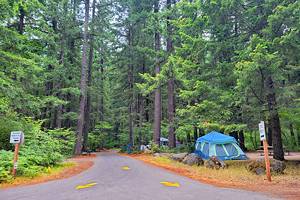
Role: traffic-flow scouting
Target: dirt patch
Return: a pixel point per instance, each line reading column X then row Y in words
column 71, row 167
column 284, row 186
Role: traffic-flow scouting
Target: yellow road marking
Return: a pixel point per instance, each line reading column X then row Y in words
column 85, row 186
column 125, row 168
column 170, row 184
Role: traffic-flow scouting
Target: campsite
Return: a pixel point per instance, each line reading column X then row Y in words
column 149, row 99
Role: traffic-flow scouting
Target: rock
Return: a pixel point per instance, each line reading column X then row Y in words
column 214, row 163
column 193, row 159
column 167, row 155
column 179, row 157
column 277, row 166
column 260, row 171
column 256, row 166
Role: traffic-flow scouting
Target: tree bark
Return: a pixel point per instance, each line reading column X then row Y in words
column 171, row 84
column 147, row 105
column 48, row 91
column 201, row 132
column 188, row 138
column 234, row 134
column 195, row 133
column 157, row 93
column 130, row 92
column 101, row 103
column 58, row 121
column 294, row 142
column 83, row 86
column 87, row 110
column 141, row 118
column 141, row 108
column 59, row 111
column 269, row 134
column 242, row 140
column 21, row 24
column 274, row 120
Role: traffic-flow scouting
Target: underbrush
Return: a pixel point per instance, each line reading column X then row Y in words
column 42, row 150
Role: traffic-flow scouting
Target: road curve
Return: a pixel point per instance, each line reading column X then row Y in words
column 141, row 182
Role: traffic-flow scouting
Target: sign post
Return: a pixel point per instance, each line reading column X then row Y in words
column 262, row 132
column 16, row 155
column 17, row 138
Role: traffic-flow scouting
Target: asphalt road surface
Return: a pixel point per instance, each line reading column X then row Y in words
column 141, row 182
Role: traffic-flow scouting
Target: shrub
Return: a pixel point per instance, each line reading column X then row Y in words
column 42, row 149
column 154, row 147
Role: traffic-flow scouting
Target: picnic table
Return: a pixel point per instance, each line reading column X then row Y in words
column 271, row 151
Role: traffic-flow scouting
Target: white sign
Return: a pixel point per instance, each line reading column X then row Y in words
column 262, row 132
column 16, row 165
column 16, row 137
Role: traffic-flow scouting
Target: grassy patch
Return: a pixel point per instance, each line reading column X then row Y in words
column 48, row 173
column 235, row 172
column 57, row 168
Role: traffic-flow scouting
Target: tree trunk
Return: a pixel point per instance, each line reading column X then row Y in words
column 130, row 124
column 59, row 111
column 195, row 133
column 130, row 92
column 141, row 118
column 157, row 94
column 201, row 132
column 141, row 108
column 101, row 116
column 269, row 134
column 242, row 140
column 274, row 120
column 83, row 86
column 294, row 141
column 235, row 135
column 21, row 24
column 87, row 110
column 171, row 84
column 188, row 138
column 58, row 121
column 48, row 92
column 147, row 105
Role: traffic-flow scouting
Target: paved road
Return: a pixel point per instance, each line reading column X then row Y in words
column 141, row 182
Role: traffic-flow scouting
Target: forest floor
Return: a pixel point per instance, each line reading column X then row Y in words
column 67, row 169
column 235, row 176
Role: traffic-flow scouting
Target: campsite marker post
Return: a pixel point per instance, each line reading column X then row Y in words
column 261, row 127
column 17, row 138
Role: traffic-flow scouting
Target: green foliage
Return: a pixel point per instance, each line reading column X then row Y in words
column 41, row 149
column 5, row 165
column 154, row 147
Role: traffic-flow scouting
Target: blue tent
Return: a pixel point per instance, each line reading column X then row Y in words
column 222, row 146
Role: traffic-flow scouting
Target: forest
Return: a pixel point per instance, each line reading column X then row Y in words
column 78, row 75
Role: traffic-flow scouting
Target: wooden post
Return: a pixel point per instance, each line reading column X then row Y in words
column 267, row 161
column 14, row 171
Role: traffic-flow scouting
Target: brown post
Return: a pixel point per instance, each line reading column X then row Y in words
column 14, row 171
column 267, row 161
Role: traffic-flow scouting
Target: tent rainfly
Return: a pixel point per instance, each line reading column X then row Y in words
column 222, row 146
